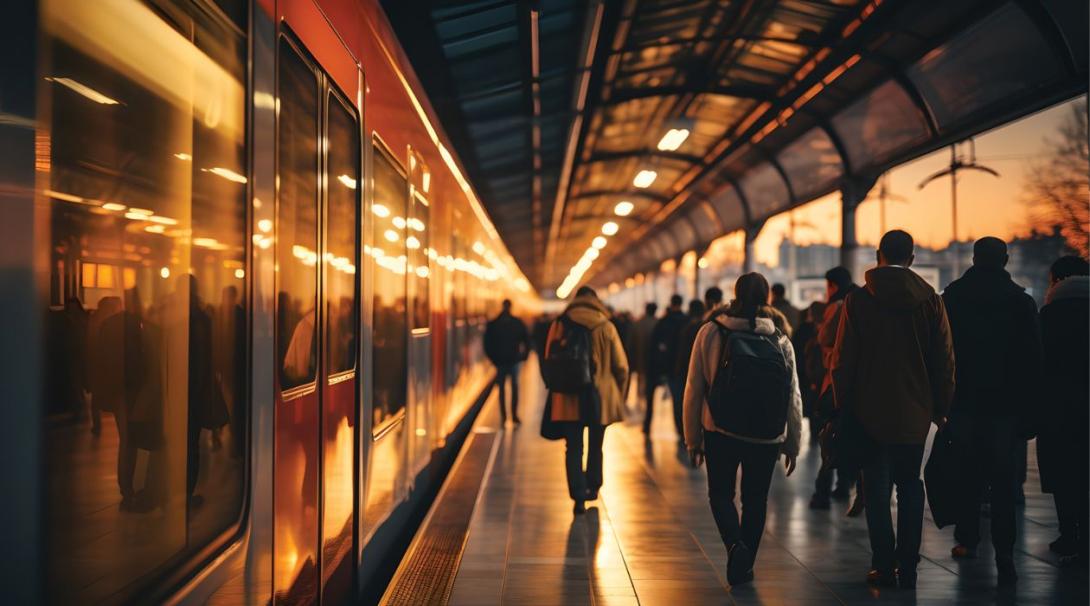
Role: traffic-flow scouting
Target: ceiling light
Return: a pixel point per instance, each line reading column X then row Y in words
column 623, row 208
column 56, row 195
column 592, row 253
column 164, row 272
column 599, row 242
column 380, row 210
column 226, row 173
column 399, row 222
column 673, row 139
column 390, row 235
column 114, row 206
column 644, row 178
column 84, row 90
column 609, row 228
column 183, row 156
column 240, row 273
column 265, row 225
column 141, row 211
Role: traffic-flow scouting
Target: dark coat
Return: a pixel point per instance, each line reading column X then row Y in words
column 685, row 342
column 506, row 340
column 1062, row 447
column 663, row 351
column 893, row 367
column 997, row 344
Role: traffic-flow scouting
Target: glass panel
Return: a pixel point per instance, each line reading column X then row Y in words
column 390, row 313
column 811, row 163
column 297, row 229
column 705, row 221
column 765, row 190
column 1000, row 57
column 684, row 234
column 728, row 206
column 420, row 253
column 341, row 238
column 144, row 205
column 879, row 125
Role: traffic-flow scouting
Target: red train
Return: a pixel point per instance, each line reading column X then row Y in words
column 262, row 279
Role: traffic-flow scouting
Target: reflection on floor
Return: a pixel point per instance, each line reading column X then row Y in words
column 651, row 538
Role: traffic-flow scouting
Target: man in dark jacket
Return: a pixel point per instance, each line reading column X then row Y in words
column 780, row 302
column 662, row 353
column 893, row 375
column 998, row 352
column 685, row 341
column 1062, row 449
column 506, row 343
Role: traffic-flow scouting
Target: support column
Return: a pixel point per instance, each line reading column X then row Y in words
column 700, row 252
column 852, row 193
column 749, row 260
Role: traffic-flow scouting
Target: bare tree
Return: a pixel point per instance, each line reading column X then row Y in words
column 1058, row 187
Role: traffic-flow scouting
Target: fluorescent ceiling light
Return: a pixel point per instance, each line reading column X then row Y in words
column 673, row 139
column 84, row 90
column 623, row 208
column 114, row 206
column 610, row 228
column 599, row 242
column 644, row 178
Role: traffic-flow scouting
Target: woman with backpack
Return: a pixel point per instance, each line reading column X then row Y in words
column 586, row 372
column 742, row 408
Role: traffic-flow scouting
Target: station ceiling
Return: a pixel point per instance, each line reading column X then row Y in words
column 555, row 106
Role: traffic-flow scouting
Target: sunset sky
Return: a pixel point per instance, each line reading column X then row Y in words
column 986, row 205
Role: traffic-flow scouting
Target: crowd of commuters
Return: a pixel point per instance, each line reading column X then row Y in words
column 872, row 367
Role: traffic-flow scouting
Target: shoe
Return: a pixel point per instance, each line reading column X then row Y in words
column 857, row 507
column 882, row 578
column 592, row 495
column 1006, row 575
column 961, row 552
column 579, row 509
column 1064, row 546
column 739, row 564
column 817, row 502
column 906, row 579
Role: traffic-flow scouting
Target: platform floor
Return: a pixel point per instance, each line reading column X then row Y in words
column 650, row 539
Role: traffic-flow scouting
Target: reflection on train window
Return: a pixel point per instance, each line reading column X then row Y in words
column 390, row 313
column 419, row 244
column 297, row 229
column 145, row 202
column 341, row 228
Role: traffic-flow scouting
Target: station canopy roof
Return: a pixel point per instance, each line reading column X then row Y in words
column 555, row 106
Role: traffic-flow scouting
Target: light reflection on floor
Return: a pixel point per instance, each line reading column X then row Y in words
column 651, row 538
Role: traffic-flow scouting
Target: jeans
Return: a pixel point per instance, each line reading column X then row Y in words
column 677, row 395
column 724, row 455
column 898, row 465
column 503, row 372
column 991, row 446
column 579, row 480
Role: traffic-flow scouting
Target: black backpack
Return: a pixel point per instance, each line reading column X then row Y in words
column 568, row 367
column 751, row 392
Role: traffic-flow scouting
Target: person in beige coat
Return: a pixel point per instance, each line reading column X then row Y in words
column 726, row 448
column 574, row 413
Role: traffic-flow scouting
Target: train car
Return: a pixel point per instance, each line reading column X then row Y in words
column 261, row 281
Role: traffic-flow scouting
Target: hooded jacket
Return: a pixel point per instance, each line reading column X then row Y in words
column 506, row 340
column 997, row 343
column 704, row 363
column 893, row 366
column 610, row 363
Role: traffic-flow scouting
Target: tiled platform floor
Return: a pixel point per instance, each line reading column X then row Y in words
column 651, row 539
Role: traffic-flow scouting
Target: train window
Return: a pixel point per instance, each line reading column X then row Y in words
column 145, row 206
column 297, row 225
column 341, row 238
column 419, row 243
column 390, row 334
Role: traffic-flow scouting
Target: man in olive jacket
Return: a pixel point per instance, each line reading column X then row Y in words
column 893, row 375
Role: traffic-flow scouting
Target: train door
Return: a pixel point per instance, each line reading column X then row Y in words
column 317, row 328
column 418, row 241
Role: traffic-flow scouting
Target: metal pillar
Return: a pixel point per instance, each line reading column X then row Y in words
column 852, row 193
column 749, row 260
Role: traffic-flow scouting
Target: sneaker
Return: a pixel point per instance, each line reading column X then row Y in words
column 817, row 502
column 739, row 564
column 882, row 578
column 962, row 552
column 1064, row 546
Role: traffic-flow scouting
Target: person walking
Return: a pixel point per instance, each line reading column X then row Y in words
column 584, row 340
column 507, row 344
column 809, row 364
column 660, row 365
column 713, row 298
column 742, row 408
column 1062, row 449
column 893, row 375
column 684, row 352
column 998, row 351
column 780, row 302
column 640, row 344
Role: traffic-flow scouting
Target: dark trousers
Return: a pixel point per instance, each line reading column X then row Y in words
column 580, row 480
column 126, row 452
column 650, row 385
column 724, row 455
column 1073, row 511
column 894, row 465
column 503, row 372
column 991, row 447
column 677, row 395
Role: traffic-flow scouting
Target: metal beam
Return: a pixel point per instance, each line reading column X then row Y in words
column 635, row 153
column 630, row 94
column 628, row 193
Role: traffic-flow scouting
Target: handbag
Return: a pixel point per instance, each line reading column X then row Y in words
column 943, row 480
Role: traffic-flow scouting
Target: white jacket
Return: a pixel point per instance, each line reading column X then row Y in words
column 703, row 365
